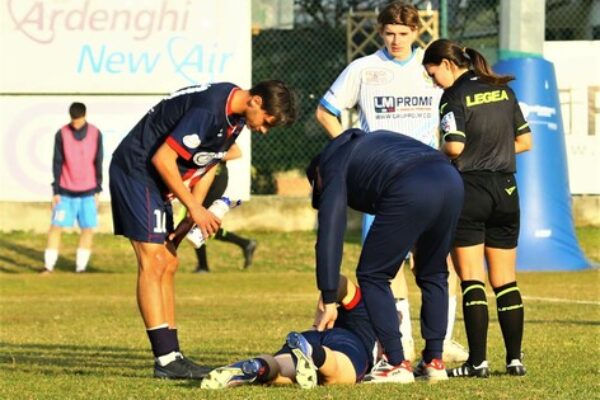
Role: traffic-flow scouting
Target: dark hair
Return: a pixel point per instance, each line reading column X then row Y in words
column 278, row 100
column 463, row 57
column 399, row 13
column 77, row 110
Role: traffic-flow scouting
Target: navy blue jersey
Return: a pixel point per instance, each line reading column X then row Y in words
column 195, row 121
column 355, row 170
column 357, row 321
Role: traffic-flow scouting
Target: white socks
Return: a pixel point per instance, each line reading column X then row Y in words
column 451, row 317
column 50, row 257
column 168, row 358
column 81, row 259
column 405, row 324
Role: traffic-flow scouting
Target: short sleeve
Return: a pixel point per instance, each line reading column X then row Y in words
column 189, row 133
column 452, row 119
column 344, row 92
column 521, row 125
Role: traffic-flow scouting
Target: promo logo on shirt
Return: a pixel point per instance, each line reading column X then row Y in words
column 389, row 104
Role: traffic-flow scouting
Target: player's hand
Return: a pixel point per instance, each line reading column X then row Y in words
column 327, row 317
column 207, row 222
column 182, row 229
column 97, row 200
column 55, row 200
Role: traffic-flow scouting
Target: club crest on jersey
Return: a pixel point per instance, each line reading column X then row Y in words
column 377, row 76
column 192, row 141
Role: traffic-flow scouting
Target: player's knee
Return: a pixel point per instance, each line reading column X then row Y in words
column 172, row 266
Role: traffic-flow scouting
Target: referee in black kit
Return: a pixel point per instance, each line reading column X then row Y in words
column 483, row 128
column 416, row 196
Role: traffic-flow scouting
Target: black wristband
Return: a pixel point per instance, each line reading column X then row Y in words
column 329, row 296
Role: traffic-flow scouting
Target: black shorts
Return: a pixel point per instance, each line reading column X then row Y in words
column 490, row 213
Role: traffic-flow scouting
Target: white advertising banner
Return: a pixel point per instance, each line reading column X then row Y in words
column 122, row 46
column 577, row 64
column 119, row 57
column 29, row 125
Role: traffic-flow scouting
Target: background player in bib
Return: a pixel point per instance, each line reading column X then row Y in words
column 77, row 170
column 392, row 91
column 483, row 127
column 341, row 355
column 184, row 135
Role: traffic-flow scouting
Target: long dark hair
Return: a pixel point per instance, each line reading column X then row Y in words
column 463, row 57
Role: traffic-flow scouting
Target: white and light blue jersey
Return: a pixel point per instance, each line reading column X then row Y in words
column 393, row 95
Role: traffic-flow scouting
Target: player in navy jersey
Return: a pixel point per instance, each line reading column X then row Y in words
column 339, row 355
column 483, row 128
column 416, row 196
column 184, row 136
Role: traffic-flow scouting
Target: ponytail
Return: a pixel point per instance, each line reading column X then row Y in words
column 463, row 57
column 483, row 70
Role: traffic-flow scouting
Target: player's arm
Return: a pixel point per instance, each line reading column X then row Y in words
column 343, row 94
column 523, row 138
column 57, row 162
column 330, row 243
column 165, row 162
column 329, row 122
column 199, row 192
column 523, row 143
column 452, row 125
column 233, row 153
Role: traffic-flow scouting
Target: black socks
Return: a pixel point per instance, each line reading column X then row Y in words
column 510, row 316
column 231, row 237
column 475, row 311
column 202, row 260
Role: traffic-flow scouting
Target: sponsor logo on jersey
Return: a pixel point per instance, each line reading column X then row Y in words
column 493, row 96
column 448, row 123
column 377, row 76
column 204, row 158
column 389, row 104
column 192, row 141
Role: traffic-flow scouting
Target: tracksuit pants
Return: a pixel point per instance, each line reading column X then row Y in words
column 419, row 211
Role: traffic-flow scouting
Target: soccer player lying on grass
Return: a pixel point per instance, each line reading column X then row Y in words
column 340, row 355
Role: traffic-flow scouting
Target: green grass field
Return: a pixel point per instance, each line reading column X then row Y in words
column 69, row 336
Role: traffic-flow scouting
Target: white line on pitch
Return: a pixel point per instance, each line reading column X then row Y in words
column 556, row 300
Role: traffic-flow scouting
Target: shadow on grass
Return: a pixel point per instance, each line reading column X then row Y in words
column 73, row 359
column 14, row 264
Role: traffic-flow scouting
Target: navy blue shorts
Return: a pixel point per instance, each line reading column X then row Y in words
column 344, row 341
column 139, row 212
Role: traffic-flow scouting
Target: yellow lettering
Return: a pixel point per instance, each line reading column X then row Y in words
column 493, row 96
